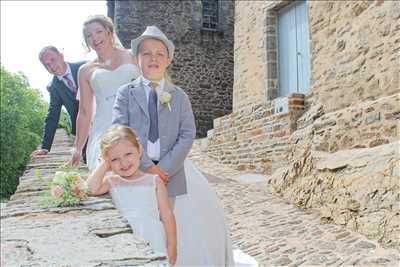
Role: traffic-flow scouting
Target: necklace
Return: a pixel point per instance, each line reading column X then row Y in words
column 107, row 61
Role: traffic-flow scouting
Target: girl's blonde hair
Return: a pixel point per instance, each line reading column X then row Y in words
column 116, row 134
column 104, row 21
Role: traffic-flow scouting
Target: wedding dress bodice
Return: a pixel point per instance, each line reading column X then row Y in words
column 105, row 84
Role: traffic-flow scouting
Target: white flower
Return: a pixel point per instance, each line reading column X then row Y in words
column 165, row 98
column 60, row 178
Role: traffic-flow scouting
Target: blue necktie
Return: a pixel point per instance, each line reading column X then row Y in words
column 153, row 112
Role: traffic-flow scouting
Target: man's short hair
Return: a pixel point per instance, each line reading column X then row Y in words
column 47, row 48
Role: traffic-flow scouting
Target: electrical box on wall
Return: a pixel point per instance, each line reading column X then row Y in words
column 281, row 106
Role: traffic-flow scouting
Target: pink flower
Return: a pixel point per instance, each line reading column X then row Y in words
column 56, row 191
column 76, row 191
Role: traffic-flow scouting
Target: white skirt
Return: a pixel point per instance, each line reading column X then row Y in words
column 202, row 234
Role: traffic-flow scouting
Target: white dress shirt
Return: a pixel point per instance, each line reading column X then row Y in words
column 153, row 149
column 69, row 73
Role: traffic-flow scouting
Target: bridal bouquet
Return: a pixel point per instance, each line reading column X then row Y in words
column 67, row 188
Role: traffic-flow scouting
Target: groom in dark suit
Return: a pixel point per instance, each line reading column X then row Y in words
column 62, row 90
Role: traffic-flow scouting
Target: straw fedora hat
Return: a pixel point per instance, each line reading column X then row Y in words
column 154, row 33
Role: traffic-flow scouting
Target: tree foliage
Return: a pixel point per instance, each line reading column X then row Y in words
column 22, row 113
column 65, row 121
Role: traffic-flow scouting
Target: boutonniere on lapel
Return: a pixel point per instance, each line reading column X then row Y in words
column 165, row 99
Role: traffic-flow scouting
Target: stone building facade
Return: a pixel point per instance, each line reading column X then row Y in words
column 202, row 32
column 334, row 147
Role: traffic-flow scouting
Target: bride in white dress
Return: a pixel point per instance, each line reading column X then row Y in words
column 99, row 80
column 141, row 198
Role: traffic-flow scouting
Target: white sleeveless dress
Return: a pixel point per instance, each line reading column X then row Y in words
column 202, row 236
column 105, row 84
column 137, row 202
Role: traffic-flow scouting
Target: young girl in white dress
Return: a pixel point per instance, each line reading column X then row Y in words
column 141, row 198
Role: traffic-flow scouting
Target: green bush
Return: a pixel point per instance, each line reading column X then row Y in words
column 22, row 113
column 65, row 121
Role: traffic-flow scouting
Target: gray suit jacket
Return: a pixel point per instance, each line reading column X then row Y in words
column 177, row 129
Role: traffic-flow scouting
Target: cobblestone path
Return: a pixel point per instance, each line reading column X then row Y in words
column 277, row 233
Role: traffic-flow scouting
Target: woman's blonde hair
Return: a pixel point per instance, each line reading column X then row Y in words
column 116, row 134
column 104, row 21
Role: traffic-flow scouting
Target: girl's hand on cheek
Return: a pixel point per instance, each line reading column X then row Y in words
column 105, row 164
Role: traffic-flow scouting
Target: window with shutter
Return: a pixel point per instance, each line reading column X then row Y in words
column 210, row 14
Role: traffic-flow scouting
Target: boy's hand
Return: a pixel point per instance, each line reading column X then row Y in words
column 157, row 170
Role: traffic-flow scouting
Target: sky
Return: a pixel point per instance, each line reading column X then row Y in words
column 27, row 26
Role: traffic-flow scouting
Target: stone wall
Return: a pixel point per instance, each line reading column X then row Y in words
column 355, row 51
column 250, row 54
column 338, row 151
column 367, row 124
column 247, row 139
column 357, row 188
column 255, row 138
column 360, row 39
column 346, row 164
column 203, row 63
